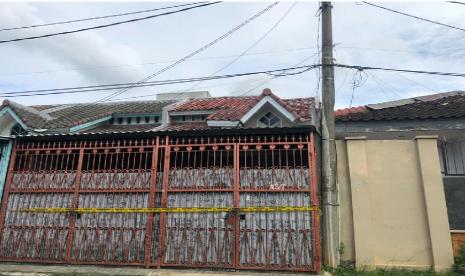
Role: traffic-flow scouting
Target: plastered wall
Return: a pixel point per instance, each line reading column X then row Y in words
column 393, row 210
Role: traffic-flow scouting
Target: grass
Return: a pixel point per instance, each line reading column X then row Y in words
column 350, row 271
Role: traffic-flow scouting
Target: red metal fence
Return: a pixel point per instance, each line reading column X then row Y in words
column 225, row 175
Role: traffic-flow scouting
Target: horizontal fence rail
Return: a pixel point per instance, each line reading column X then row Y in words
column 219, row 202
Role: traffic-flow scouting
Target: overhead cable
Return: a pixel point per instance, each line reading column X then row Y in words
column 281, row 72
column 201, row 49
column 359, row 67
column 255, row 43
column 108, row 25
column 97, row 17
column 416, row 17
column 155, row 62
column 94, row 88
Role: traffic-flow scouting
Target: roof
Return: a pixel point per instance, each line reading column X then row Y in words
column 436, row 106
column 85, row 118
column 234, row 108
column 183, row 126
column 69, row 115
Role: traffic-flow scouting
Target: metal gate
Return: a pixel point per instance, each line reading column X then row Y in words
column 222, row 202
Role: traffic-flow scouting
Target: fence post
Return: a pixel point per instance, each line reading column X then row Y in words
column 72, row 220
column 316, row 247
column 153, row 181
column 164, row 202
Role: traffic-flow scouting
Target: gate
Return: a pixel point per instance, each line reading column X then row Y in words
column 220, row 202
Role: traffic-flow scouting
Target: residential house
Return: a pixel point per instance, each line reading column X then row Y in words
column 240, row 173
column 442, row 115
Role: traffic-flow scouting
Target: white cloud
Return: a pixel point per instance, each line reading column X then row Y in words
column 390, row 40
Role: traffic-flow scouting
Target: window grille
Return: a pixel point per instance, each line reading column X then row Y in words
column 269, row 120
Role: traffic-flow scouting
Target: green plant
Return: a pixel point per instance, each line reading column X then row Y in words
column 349, row 270
column 342, row 248
column 459, row 265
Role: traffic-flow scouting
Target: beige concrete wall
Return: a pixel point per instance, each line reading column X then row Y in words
column 393, row 208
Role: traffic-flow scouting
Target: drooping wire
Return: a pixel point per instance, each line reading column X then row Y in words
column 98, row 17
column 358, row 80
column 94, row 88
column 416, row 17
column 176, row 81
column 201, row 49
column 158, row 62
column 316, row 92
column 260, row 39
column 108, row 25
column 274, row 76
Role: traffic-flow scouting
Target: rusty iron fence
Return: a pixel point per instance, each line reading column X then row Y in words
column 48, row 183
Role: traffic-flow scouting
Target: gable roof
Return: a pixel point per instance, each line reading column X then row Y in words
column 436, row 106
column 234, row 108
column 65, row 116
column 221, row 112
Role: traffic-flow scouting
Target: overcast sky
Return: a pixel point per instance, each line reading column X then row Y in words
column 363, row 35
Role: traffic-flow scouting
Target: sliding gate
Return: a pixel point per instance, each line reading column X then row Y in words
column 237, row 202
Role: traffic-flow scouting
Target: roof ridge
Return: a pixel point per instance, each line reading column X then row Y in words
column 32, row 110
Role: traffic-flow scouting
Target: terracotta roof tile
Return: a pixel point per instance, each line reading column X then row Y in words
column 234, row 108
column 442, row 105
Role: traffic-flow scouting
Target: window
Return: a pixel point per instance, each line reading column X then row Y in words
column 120, row 121
column 138, row 120
column 129, row 121
column 269, row 120
column 452, row 157
column 147, row 120
column 18, row 130
column 156, row 119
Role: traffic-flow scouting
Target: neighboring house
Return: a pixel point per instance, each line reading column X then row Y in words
column 440, row 114
column 224, row 154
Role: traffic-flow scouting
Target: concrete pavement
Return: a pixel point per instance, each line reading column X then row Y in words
column 15, row 269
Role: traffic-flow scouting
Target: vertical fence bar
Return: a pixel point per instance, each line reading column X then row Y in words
column 153, row 181
column 72, row 222
column 315, row 203
column 164, row 202
column 236, row 228
column 7, row 188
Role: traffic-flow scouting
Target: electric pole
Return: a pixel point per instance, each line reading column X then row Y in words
column 330, row 189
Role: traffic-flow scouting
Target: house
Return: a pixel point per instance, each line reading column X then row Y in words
column 442, row 115
column 187, row 181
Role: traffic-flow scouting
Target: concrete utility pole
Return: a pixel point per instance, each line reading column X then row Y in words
column 330, row 191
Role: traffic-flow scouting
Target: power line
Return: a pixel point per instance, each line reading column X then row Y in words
column 198, row 59
column 202, row 87
column 260, row 39
column 416, row 17
column 456, row 2
column 201, row 49
column 281, row 72
column 359, row 67
column 110, row 24
column 94, row 88
column 276, row 76
column 97, row 17
column 156, row 62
